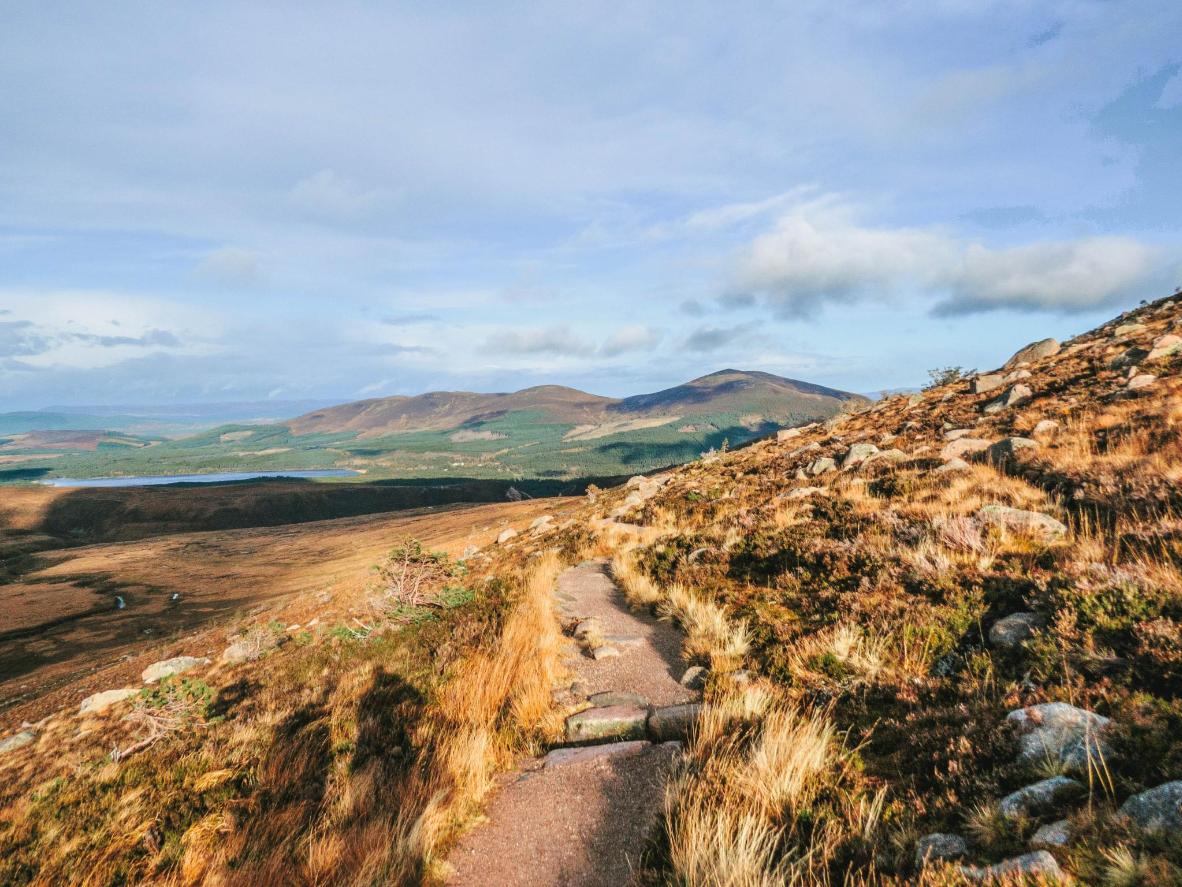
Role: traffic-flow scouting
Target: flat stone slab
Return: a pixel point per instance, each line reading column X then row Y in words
column 565, row 757
column 616, row 697
column 98, row 703
column 607, row 723
column 169, row 667
column 673, row 721
column 16, row 740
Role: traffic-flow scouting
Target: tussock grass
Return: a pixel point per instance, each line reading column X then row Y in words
column 640, row 590
column 711, row 636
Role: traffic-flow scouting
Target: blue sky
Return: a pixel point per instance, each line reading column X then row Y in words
column 227, row 201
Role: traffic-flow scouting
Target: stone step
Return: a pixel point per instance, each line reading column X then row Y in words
column 564, row 757
column 607, row 722
column 673, row 721
column 615, row 697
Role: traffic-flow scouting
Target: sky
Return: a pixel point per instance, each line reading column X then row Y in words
column 247, row 201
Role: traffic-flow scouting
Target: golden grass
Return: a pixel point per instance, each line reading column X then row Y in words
column 640, row 591
column 711, row 636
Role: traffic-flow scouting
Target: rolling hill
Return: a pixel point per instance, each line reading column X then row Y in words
column 546, row 432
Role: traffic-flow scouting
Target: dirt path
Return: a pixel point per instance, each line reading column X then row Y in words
column 581, row 815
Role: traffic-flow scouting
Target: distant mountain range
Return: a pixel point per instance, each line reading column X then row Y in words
column 545, row 432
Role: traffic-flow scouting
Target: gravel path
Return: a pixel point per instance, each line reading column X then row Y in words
column 582, row 819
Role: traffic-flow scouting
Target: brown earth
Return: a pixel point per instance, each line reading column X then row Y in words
column 62, row 636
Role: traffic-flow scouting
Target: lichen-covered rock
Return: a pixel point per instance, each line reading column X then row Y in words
column 1017, row 376
column 987, row 382
column 673, row 721
column 1157, row 809
column 617, row 697
column 1017, row 394
column 16, row 740
column 804, row 493
column 957, row 433
column 857, row 454
column 953, row 465
column 1009, row 447
column 608, row 722
column 1045, row 428
column 821, row 465
column 1034, row 351
column 169, row 667
column 1019, row 520
column 964, row 446
column 506, row 535
column 1053, row 834
column 1011, row 630
column 98, row 703
column 1039, row 864
column 1165, row 346
column 939, row 847
column 1127, row 329
column 1141, row 380
column 1060, row 733
column 1042, row 797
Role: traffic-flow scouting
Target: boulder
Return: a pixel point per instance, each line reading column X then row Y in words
column 1009, row 447
column 1018, row 520
column 964, row 446
column 1165, row 346
column 1045, row 428
column 1039, row 864
column 1032, row 352
column 803, row 493
column 857, row 454
column 168, row 667
column 1053, row 834
column 606, row 651
column 1127, row 329
column 506, row 535
column 249, row 647
column 952, row 465
column 957, row 433
column 1013, row 629
column 98, row 703
column 821, row 465
column 807, row 448
column 1017, row 376
column 16, row 740
column 608, row 722
column 787, row 433
column 1141, row 380
column 1059, row 733
column 892, row 455
column 673, row 721
column 1157, row 810
column 564, row 757
column 987, row 382
column 541, row 522
column 1046, row 796
column 1017, row 394
column 939, row 847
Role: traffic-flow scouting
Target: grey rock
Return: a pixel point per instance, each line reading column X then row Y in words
column 914, row 400
column 1017, row 394
column 1009, row 447
column 98, row 703
column 694, row 677
column 1011, row 630
column 1165, row 346
column 608, row 722
column 1017, row 376
column 953, row 465
column 1053, row 834
column 892, row 455
column 803, row 493
column 1045, row 428
column 787, row 433
column 673, row 721
column 1040, row 864
column 605, row 651
column 1032, row 352
column 1142, row 380
column 1157, row 809
column 957, row 433
column 1127, row 329
column 821, row 465
column 565, row 757
column 857, row 454
column 1046, row 796
column 169, row 667
column 964, row 446
column 587, row 627
column 1022, row 521
column 988, row 382
column 939, row 847
column 1061, row 734
column 16, row 740
column 506, row 535
column 807, row 448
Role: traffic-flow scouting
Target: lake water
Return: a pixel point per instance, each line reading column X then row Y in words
column 218, row 477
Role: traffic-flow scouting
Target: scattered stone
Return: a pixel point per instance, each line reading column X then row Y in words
column 1143, row 380
column 1032, row 352
column 939, row 847
column 952, row 465
column 1038, row 864
column 541, row 522
column 1053, row 834
column 857, row 454
column 168, row 667
column 1127, row 329
column 1059, row 733
column 1165, row 346
column 615, row 697
column 16, row 740
column 820, row 466
column 1017, row 394
column 1158, row 809
column 1013, row 629
column 964, row 446
column 608, row 722
column 506, row 535
column 249, row 648
column 803, row 492
column 892, row 455
column 1017, row 376
column 787, row 433
column 1008, row 448
column 564, row 757
column 673, row 721
column 987, row 382
column 957, row 433
column 1045, row 428
column 98, row 703
column 1022, row 521
column 1042, row 797
column 605, row 652
column 807, row 448
column 694, row 677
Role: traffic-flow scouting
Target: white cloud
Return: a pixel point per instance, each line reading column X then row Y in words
column 629, row 338
column 555, row 340
column 820, row 254
column 327, row 193
column 231, row 266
